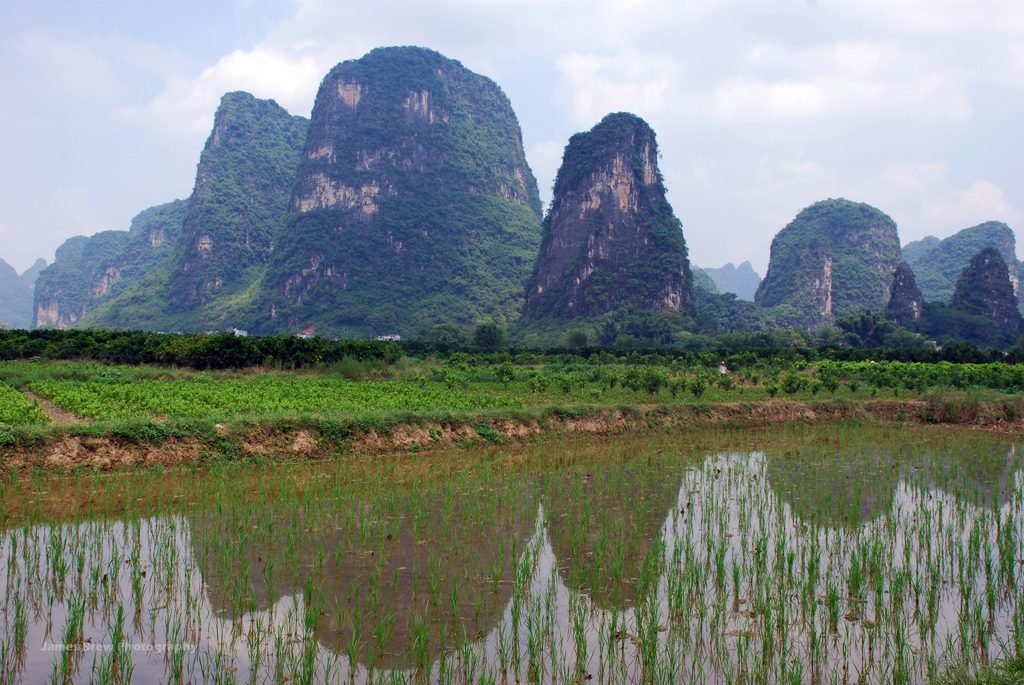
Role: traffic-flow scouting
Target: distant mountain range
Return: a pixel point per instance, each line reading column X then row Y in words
column 88, row 272
column 406, row 202
column 741, row 281
column 16, row 291
column 937, row 263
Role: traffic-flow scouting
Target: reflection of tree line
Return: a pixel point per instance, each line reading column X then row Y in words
column 380, row 578
column 441, row 572
column 847, row 488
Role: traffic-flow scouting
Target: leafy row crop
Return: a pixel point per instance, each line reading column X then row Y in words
column 15, row 409
column 97, row 392
column 205, row 396
column 922, row 376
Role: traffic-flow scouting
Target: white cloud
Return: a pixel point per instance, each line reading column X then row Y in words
column 593, row 86
column 75, row 204
column 930, row 17
column 1013, row 59
column 188, row 104
column 751, row 136
column 95, row 68
column 982, row 201
column 75, row 70
column 849, row 78
column 495, row 27
column 545, row 157
column 752, row 99
column 920, row 196
column 791, row 170
column 760, row 108
column 21, row 253
column 911, row 179
column 15, row 249
column 924, row 199
column 821, row 86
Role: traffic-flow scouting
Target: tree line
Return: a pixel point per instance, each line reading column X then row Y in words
column 487, row 346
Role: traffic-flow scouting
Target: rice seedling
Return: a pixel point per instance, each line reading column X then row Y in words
column 621, row 562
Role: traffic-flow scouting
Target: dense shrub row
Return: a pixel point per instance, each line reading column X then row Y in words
column 197, row 351
column 224, row 350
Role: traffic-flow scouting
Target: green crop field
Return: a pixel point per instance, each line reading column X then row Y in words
column 466, row 384
column 15, row 409
column 205, row 396
column 844, row 551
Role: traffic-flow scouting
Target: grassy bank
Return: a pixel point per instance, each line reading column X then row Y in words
column 177, row 441
column 75, row 414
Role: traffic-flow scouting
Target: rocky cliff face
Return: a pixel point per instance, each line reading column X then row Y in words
column 413, row 203
column 905, row 303
column 835, row 258
column 243, row 185
column 937, row 263
column 611, row 241
column 88, row 272
column 741, row 281
column 209, row 276
column 984, row 289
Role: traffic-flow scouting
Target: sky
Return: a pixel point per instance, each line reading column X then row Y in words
column 761, row 107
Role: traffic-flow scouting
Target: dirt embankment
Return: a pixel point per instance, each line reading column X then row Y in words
column 65, row 450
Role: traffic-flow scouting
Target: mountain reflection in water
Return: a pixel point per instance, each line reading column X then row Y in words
column 865, row 564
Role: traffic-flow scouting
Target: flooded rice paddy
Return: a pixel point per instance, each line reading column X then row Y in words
column 845, row 560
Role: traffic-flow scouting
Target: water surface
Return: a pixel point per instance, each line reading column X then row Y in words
column 873, row 561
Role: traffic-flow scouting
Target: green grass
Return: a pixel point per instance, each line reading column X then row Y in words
column 149, row 403
column 1007, row 672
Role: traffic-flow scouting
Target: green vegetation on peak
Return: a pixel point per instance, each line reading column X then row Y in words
column 413, row 206
column 210, row 277
column 90, row 271
column 406, row 206
column 29, row 276
column 612, row 244
column 590, row 150
column 702, row 280
column 400, row 116
column 937, row 263
column 983, row 310
column 984, row 288
column 241, row 193
column 905, row 302
column 835, row 258
column 913, row 250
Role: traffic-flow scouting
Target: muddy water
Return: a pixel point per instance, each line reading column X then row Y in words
column 857, row 563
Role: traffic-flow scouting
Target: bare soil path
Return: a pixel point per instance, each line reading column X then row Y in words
column 52, row 411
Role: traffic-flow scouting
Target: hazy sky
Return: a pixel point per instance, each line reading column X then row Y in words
column 761, row 106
